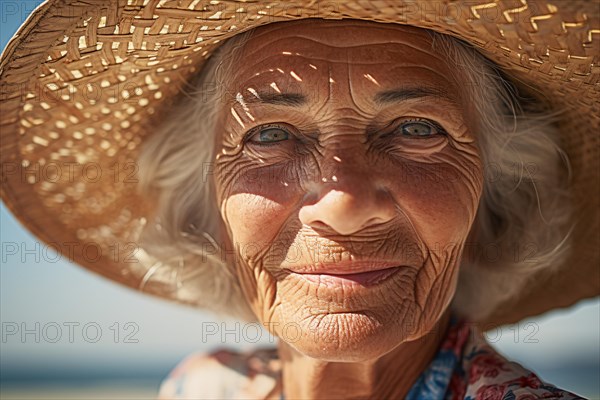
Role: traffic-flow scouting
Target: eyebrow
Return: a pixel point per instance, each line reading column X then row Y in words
column 399, row 95
column 284, row 99
column 381, row 98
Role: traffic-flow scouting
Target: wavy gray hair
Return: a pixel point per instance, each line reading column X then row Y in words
column 522, row 220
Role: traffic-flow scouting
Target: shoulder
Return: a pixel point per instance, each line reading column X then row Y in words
column 224, row 374
column 489, row 375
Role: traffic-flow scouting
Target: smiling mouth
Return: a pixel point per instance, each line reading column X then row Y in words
column 368, row 278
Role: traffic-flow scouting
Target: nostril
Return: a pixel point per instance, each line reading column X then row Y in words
column 319, row 226
column 348, row 210
column 373, row 221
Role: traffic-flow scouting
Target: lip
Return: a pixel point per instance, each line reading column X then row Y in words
column 342, row 267
column 365, row 273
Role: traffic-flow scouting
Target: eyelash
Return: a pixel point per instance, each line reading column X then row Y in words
column 397, row 123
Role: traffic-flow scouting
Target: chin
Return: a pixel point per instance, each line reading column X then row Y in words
column 345, row 337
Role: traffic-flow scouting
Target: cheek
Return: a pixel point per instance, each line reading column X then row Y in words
column 440, row 196
column 256, row 206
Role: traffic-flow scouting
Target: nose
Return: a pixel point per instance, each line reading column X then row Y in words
column 348, row 202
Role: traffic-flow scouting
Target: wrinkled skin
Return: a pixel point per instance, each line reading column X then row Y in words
column 342, row 175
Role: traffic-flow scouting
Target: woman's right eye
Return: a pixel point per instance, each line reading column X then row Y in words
column 269, row 135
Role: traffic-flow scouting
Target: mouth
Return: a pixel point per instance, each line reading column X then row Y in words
column 344, row 274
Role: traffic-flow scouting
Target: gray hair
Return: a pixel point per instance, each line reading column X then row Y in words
column 520, row 228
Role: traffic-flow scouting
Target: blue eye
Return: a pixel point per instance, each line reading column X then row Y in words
column 419, row 129
column 269, row 135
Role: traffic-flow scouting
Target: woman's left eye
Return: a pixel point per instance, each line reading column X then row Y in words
column 269, row 135
column 419, row 128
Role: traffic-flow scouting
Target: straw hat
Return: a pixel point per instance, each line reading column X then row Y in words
column 82, row 81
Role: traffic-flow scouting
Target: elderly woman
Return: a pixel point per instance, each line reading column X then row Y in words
column 348, row 172
column 363, row 190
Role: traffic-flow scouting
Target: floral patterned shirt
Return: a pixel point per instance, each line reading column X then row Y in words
column 467, row 367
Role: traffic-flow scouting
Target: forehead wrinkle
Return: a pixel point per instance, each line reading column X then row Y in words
column 255, row 48
column 294, row 39
column 444, row 82
column 276, row 59
column 405, row 41
column 330, row 82
column 319, row 28
column 419, row 66
column 406, row 47
column 261, row 70
column 347, row 91
column 351, row 92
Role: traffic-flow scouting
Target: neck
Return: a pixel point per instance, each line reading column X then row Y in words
column 389, row 376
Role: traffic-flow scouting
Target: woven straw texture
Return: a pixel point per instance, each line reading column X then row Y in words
column 83, row 82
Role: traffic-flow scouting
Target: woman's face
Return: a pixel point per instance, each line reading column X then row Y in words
column 348, row 178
